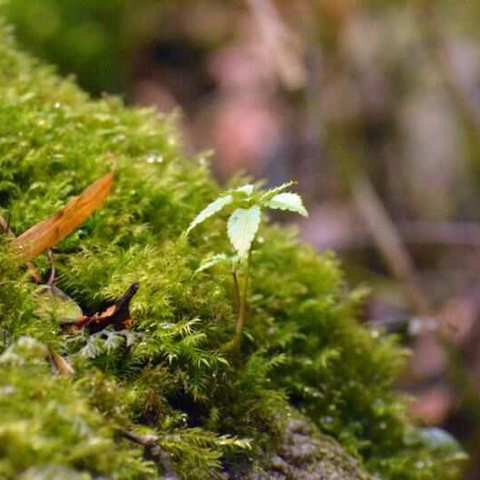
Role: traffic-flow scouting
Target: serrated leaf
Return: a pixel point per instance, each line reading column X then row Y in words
column 269, row 194
column 211, row 262
column 242, row 227
column 130, row 337
column 93, row 347
column 112, row 341
column 209, row 211
column 288, row 201
column 246, row 189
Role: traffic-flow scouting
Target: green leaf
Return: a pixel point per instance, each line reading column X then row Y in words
column 211, row 262
column 246, row 189
column 209, row 211
column 242, row 227
column 269, row 194
column 288, row 201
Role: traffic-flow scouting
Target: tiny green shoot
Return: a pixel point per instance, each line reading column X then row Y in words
column 245, row 205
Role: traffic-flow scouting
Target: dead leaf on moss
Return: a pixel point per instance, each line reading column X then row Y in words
column 61, row 365
column 48, row 233
column 5, row 228
column 116, row 315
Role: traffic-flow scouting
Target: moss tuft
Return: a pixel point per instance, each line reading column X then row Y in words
column 208, row 413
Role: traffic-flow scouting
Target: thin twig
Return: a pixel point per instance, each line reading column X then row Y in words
column 282, row 44
column 61, row 365
column 150, row 442
column 435, row 40
column 388, row 240
column 448, row 234
column 145, row 440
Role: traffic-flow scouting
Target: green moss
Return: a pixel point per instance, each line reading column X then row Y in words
column 48, row 422
column 302, row 348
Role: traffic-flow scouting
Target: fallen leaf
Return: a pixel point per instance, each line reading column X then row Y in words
column 46, row 234
column 117, row 315
column 61, row 365
column 5, row 228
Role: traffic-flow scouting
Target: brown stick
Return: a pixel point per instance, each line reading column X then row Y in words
column 434, row 37
column 144, row 441
column 449, row 234
column 388, row 240
column 62, row 366
column 283, row 46
column 151, row 442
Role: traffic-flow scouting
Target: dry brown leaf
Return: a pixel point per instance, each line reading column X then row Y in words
column 46, row 234
column 5, row 228
column 117, row 315
column 61, row 365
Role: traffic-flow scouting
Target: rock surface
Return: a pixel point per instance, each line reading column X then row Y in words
column 304, row 454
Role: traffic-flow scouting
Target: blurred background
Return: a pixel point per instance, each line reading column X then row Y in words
column 373, row 107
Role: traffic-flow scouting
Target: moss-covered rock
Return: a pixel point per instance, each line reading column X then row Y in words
column 304, row 454
column 166, row 389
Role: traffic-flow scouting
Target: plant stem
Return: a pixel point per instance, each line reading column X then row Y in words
column 236, row 289
column 242, row 310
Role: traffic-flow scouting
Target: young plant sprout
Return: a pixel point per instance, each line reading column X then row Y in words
column 246, row 205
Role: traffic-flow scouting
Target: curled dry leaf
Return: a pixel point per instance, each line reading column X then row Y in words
column 61, row 365
column 117, row 315
column 46, row 234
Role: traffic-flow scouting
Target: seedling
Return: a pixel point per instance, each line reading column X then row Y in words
column 246, row 205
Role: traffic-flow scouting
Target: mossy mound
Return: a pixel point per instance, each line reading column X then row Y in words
column 210, row 415
column 47, row 424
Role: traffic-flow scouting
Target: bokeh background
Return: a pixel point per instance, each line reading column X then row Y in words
column 372, row 106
